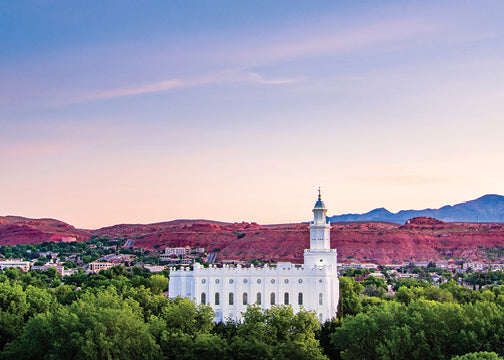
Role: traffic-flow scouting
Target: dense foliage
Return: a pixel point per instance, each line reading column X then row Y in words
column 118, row 314
column 121, row 314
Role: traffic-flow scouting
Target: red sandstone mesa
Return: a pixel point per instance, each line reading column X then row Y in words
column 420, row 239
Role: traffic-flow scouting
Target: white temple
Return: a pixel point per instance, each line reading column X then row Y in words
column 313, row 285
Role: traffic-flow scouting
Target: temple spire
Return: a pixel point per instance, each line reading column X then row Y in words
column 319, row 228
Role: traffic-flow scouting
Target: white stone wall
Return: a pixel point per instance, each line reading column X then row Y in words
column 284, row 278
column 320, row 258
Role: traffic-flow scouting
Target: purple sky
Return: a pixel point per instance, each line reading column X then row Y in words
column 124, row 111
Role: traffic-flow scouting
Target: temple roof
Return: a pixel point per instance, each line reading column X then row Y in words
column 319, row 204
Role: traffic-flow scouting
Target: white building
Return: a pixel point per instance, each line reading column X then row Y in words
column 228, row 290
column 179, row 251
column 154, row 268
column 23, row 265
column 97, row 266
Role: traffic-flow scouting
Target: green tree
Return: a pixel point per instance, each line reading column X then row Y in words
column 438, row 294
column 40, row 301
column 101, row 326
column 278, row 333
column 158, row 284
column 177, row 323
column 363, row 336
column 482, row 355
column 374, row 291
column 13, row 311
column 376, row 281
column 350, row 301
column 405, row 295
column 207, row 346
column 422, row 330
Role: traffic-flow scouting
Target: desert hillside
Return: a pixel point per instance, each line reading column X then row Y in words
column 380, row 242
column 19, row 230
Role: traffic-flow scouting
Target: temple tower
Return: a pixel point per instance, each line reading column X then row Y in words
column 319, row 228
column 320, row 253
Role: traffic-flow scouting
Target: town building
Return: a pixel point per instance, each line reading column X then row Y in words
column 178, row 251
column 171, row 253
column 97, row 266
column 23, row 265
column 312, row 286
column 154, row 268
column 58, row 266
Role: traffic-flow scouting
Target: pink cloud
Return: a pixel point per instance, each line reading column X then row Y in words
column 228, row 76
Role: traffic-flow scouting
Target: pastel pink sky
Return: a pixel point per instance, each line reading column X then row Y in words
column 190, row 111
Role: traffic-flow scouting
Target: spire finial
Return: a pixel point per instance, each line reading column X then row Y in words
column 319, row 197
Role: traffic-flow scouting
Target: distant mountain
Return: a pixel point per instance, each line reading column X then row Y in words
column 375, row 239
column 488, row 208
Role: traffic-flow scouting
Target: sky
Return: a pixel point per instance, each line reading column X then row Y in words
column 147, row 111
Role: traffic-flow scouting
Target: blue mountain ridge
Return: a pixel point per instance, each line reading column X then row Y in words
column 488, row 208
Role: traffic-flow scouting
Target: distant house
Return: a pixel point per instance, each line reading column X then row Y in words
column 178, row 251
column 365, row 266
column 59, row 268
column 170, row 253
column 49, row 254
column 406, row 276
column 392, row 272
column 117, row 259
column 497, row 267
column 154, row 268
column 96, row 266
column 186, row 262
column 476, row 266
column 377, row 275
column 419, row 263
column 23, row 265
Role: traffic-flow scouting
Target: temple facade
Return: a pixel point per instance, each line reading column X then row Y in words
column 313, row 285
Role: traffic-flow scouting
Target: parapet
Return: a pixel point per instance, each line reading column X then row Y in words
column 280, row 269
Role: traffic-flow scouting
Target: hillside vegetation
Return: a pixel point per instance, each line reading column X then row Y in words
column 421, row 239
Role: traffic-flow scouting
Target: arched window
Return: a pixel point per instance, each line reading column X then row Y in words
column 286, row 298
column 203, row 299
column 258, row 298
column 272, row 298
column 231, row 299
column 320, row 299
column 300, row 298
column 245, row 299
column 217, row 299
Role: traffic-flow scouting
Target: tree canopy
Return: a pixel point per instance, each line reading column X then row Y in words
column 122, row 314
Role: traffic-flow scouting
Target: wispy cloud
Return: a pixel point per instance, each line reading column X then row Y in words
column 141, row 89
column 331, row 37
column 239, row 51
column 228, row 76
column 231, row 76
